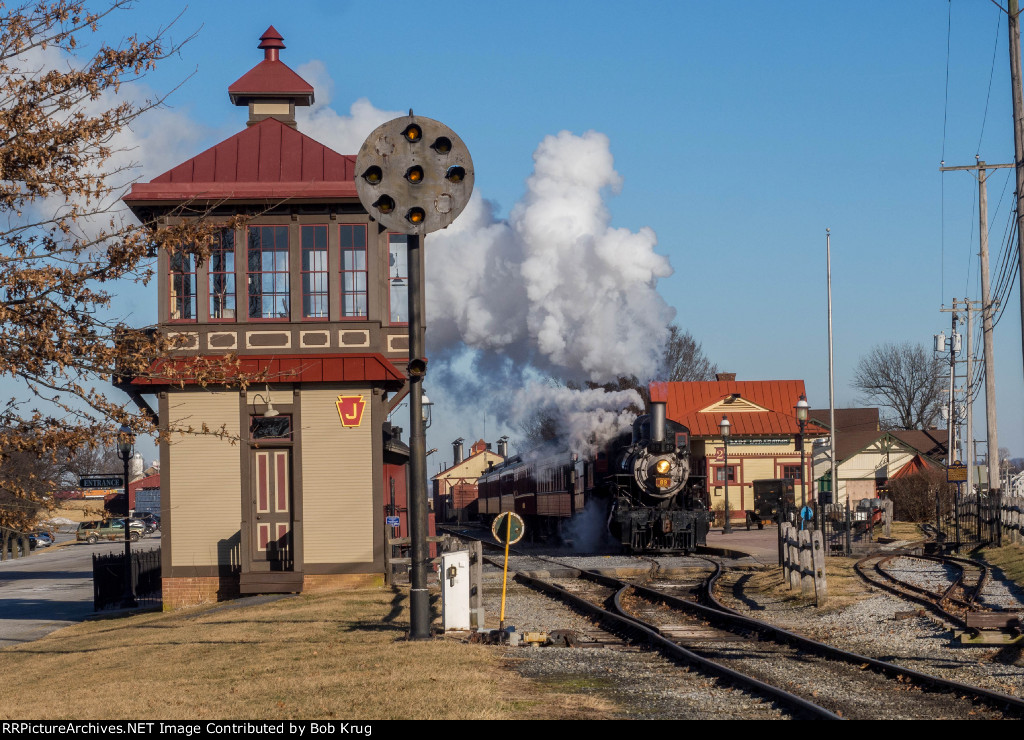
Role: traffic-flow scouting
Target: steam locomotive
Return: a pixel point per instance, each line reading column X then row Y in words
column 637, row 484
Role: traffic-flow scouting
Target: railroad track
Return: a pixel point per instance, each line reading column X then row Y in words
column 807, row 678
column 952, row 590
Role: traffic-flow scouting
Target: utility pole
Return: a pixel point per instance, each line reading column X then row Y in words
column 987, row 311
column 968, row 400
column 1018, row 141
column 951, row 415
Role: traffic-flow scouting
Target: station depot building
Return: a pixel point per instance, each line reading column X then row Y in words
column 288, row 494
column 764, row 438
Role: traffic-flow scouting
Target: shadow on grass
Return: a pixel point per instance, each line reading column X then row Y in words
column 398, row 601
column 376, row 627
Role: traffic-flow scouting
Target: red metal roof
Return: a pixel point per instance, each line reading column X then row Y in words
column 267, row 160
column 350, row 368
column 150, row 481
column 271, row 78
column 918, row 463
column 686, row 401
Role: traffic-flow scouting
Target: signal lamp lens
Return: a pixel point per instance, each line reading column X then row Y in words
column 416, row 215
column 417, row 368
column 443, row 145
column 412, row 133
column 663, row 466
column 373, row 175
column 414, row 175
column 455, row 174
column 385, row 204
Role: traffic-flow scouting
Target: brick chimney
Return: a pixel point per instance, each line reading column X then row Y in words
column 725, row 377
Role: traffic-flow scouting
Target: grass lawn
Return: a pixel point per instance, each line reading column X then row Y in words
column 340, row 655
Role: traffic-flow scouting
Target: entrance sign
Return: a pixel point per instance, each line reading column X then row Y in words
column 112, row 480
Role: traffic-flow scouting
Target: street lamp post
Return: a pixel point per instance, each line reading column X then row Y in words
column 125, row 448
column 801, row 419
column 724, row 429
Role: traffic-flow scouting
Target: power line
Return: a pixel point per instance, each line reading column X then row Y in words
column 988, row 95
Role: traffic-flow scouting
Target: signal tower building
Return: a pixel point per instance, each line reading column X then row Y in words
column 288, row 496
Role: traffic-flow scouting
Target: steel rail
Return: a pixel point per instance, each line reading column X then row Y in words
column 722, row 614
column 635, row 630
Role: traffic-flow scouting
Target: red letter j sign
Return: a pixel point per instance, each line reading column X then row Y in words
column 350, row 408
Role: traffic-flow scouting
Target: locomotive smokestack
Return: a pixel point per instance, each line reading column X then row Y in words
column 457, row 451
column 657, row 422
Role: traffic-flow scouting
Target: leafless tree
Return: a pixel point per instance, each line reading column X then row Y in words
column 65, row 251
column 905, row 379
column 684, row 359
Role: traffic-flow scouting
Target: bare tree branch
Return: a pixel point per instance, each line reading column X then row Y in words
column 905, row 379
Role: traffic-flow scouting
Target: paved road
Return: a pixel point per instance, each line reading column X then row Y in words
column 51, row 588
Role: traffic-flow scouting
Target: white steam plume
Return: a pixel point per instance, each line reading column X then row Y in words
column 555, row 286
column 585, row 419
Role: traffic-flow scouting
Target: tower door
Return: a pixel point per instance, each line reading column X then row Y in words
column 272, row 547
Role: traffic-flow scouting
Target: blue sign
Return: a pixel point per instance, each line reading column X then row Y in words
column 392, row 521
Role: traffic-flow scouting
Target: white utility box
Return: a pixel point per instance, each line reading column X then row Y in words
column 454, row 577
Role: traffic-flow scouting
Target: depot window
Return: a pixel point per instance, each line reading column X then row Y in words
column 791, row 471
column 268, row 272
column 183, row 297
column 314, row 272
column 398, row 278
column 353, row 271
column 720, row 473
column 221, row 277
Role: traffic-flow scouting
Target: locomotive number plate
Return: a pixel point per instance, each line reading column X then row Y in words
column 661, row 482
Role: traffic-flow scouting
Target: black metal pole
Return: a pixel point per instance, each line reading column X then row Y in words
column 419, row 597
column 128, row 596
column 803, row 473
column 727, row 529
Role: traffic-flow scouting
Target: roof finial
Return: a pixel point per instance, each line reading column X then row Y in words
column 271, row 42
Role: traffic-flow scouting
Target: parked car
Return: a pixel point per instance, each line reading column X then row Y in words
column 151, row 520
column 111, row 529
column 43, row 539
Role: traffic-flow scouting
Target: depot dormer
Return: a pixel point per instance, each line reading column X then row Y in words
column 271, row 89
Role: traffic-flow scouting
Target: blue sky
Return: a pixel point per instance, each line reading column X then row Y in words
column 740, row 132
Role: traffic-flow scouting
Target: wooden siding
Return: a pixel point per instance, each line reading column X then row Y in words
column 337, row 479
column 205, row 479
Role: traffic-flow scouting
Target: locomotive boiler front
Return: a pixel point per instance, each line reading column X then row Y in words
column 660, row 475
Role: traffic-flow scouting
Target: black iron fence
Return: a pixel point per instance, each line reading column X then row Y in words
column 844, row 530
column 108, row 578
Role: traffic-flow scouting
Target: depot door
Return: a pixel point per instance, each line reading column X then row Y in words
column 271, row 536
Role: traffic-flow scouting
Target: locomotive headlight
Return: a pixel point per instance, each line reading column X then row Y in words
column 663, row 466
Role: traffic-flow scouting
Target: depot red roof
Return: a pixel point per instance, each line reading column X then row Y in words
column 271, row 78
column 267, row 160
column 284, row 368
column 754, row 407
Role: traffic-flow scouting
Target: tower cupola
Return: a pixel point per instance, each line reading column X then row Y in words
column 271, row 89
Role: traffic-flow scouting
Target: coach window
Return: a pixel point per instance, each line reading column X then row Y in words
column 353, row 271
column 221, row 276
column 314, row 272
column 398, row 280
column 183, row 286
column 268, row 272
